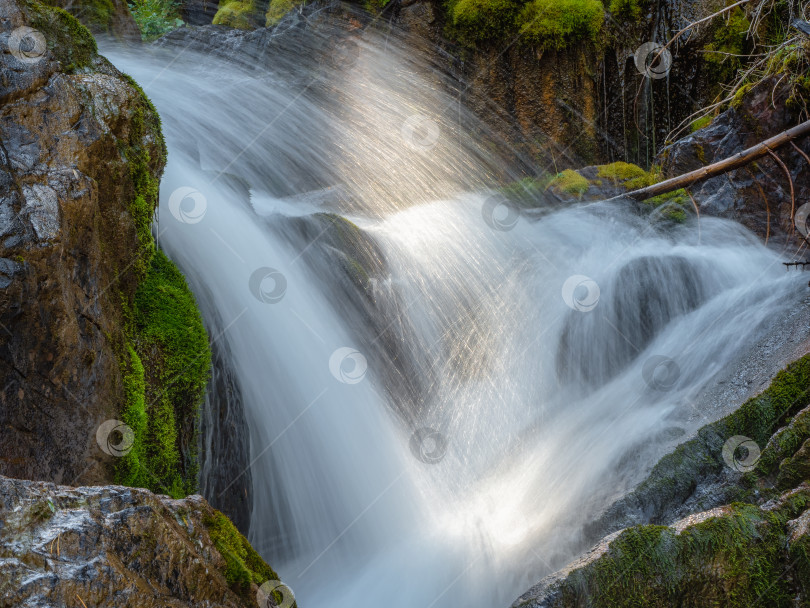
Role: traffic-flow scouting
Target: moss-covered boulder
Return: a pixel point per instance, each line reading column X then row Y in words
column 108, row 17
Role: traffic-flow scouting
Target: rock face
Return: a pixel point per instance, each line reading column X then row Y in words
column 757, row 196
column 585, row 103
column 71, row 127
column 710, row 526
column 118, row 547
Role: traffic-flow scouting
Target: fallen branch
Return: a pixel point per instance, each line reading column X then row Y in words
column 733, row 162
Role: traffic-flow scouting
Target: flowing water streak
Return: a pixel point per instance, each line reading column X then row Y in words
column 545, row 389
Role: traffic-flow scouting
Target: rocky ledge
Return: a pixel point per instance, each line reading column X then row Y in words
column 723, row 519
column 113, row 546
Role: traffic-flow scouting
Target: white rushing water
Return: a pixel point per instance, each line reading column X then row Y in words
column 543, row 392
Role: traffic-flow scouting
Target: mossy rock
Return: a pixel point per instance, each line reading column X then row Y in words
column 239, row 14
column 556, row 24
column 71, row 43
column 569, row 183
column 165, row 376
column 277, row 9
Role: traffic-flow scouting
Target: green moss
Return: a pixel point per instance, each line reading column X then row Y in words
column 240, row 14
column 620, row 171
column 557, row 23
column 737, row 100
column 735, row 559
column 68, row 40
column 95, row 14
column 480, row 20
column 729, row 41
column 629, row 9
column 243, row 565
column 132, row 470
column 675, row 476
column 700, row 123
column 570, row 182
column 168, row 333
column 278, row 8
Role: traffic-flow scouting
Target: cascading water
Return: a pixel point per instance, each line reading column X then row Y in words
column 519, row 368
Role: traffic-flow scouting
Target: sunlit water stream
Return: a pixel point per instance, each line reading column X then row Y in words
column 543, row 392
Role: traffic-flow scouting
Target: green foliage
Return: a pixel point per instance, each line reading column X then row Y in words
column 480, row 20
column 570, row 182
column 155, row 17
column 278, row 8
column 243, row 565
column 557, row 23
column 239, row 14
column 71, row 43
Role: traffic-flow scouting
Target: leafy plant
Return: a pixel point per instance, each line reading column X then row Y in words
column 155, row 17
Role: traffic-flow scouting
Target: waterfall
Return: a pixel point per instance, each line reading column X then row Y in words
column 440, row 389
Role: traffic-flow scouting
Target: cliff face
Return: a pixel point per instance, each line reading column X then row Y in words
column 70, row 125
column 99, row 326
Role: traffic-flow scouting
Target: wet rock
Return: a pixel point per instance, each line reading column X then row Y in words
column 759, row 195
column 70, row 125
column 112, row 547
